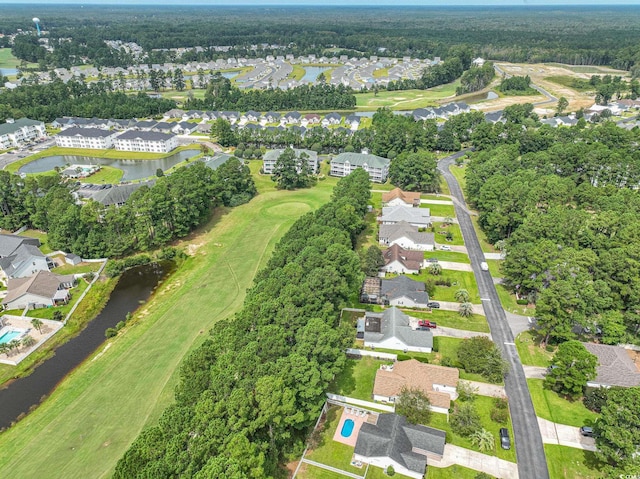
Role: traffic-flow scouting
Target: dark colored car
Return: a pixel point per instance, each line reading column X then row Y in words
column 586, row 431
column 433, row 305
column 432, row 260
column 505, row 441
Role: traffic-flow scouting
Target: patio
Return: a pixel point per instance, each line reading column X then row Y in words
column 23, row 323
column 358, row 416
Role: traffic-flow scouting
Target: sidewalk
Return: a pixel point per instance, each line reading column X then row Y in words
column 476, row 461
column 554, row 433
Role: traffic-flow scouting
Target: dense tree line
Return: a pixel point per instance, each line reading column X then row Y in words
column 516, row 85
column 248, row 396
column 75, row 98
column 476, row 78
column 151, row 217
column 566, row 202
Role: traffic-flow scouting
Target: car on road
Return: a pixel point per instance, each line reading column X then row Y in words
column 426, row 324
column 433, row 305
column 484, row 266
column 445, row 247
column 505, row 440
column 586, row 431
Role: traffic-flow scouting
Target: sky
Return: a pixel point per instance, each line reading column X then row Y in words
column 506, row 3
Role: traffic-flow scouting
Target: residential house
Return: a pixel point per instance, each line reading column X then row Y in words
column 312, row 119
column 270, row 157
column 15, row 133
column 332, row 119
column 292, row 118
column 402, row 261
column 352, row 122
column 20, row 257
column 230, row 116
column 438, row 383
column 392, row 441
column 252, row 115
column 175, row 113
column 184, row 128
column 393, row 329
column 92, row 138
column 397, row 197
column 148, row 141
column 144, row 125
column 617, row 366
column 214, row 162
column 166, row 127
column 405, row 292
column 405, row 235
column 272, row 117
column 110, row 194
column 42, row 290
column 419, row 217
column 377, row 167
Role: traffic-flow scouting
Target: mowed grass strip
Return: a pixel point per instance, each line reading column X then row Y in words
column 551, row 406
column 91, row 419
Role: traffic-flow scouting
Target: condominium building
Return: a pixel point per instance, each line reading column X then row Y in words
column 149, row 141
column 94, row 138
column 15, row 133
column 376, row 166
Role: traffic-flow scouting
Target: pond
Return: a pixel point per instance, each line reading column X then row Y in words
column 9, row 71
column 133, row 169
column 134, row 287
column 229, row 75
column 311, row 73
column 490, row 95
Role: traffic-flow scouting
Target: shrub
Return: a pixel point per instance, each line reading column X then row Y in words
column 448, row 362
column 522, row 301
column 595, row 398
column 501, row 416
column 390, row 471
column 111, row 332
column 89, row 276
column 465, row 420
column 500, row 403
column 58, row 316
column 466, row 392
column 120, row 325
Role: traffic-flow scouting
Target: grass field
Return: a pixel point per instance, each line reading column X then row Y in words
column 106, row 175
column 448, row 256
column 297, row 73
column 494, row 267
column 81, row 268
column 571, row 82
column 549, row 405
column 530, row 352
column 587, row 68
column 451, row 472
column 451, row 319
column 7, row 60
column 86, row 425
column 570, row 463
column 356, row 378
column 459, row 173
column 441, row 232
column 440, row 210
column 459, row 280
column 406, row 99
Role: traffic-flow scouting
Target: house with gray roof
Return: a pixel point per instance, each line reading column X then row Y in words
column 392, row 330
column 147, row 141
column 377, row 167
column 404, row 291
column 108, row 195
column 184, row 128
column 270, row 157
column 26, row 260
column 93, row 138
column 407, row 236
column 15, row 133
column 392, row 441
column 214, row 162
column 43, row 289
column 419, row 217
column 617, row 366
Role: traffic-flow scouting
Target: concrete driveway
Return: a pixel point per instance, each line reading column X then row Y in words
column 476, row 461
column 440, row 219
column 518, row 323
column 457, row 333
column 534, row 372
column 554, row 433
column 436, row 202
column 453, row 306
column 455, row 266
column 486, row 389
column 452, row 247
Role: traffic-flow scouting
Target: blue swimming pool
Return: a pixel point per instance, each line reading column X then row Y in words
column 9, row 336
column 347, row 428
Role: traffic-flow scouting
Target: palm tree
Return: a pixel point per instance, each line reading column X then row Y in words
column 466, row 309
column 4, row 348
column 462, row 295
column 28, row 341
column 483, row 440
column 435, row 269
column 36, row 323
column 14, row 344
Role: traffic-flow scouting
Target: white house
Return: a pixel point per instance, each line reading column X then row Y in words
column 43, row 289
column 149, row 141
column 377, row 167
column 20, row 257
column 397, row 197
column 93, row 138
column 392, row 330
column 401, row 261
column 407, row 236
column 15, row 133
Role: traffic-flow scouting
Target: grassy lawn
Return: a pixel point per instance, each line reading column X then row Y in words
column 451, row 319
column 297, row 73
column 482, row 237
column 307, row 471
column 441, row 231
column 549, row 405
column 357, row 378
column 530, row 353
column 440, row 210
column 483, row 405
column 494, row 267
column 448, row 256
column 570, row 463
column 570, row 82
column 508, row 301
column 405, row 99
column 459, row 279
column 444, row 187
column 47, row 313
column 459, row 173
column 94, row 153
column 330, row 452
column 42, row 236
column 106, row 175
column 378, row 473
column 381, row 73
column 77, row 269
column 87, row 424
column 451, row 472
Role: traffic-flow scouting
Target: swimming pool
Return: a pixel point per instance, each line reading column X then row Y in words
column 347, row 428
column 9, row 336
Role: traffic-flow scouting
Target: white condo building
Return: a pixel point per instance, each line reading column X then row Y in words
column 15, row 133
column 149, row 141
column 94, row 138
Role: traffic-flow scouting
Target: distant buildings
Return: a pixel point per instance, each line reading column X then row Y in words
column 130, row 140
column 15, row 133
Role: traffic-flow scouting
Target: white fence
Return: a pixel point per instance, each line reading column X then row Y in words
column 359, row 402
column 373, row 354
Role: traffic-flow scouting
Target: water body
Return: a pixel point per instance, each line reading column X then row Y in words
column 490, row 95
column 9, row 71
column 133, row 169
column 229, row 75
column 134, row 287
column 311, row 73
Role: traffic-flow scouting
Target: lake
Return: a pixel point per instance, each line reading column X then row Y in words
column 133, row 169
column 311, row 73
column 9, row 71
column 134, row 287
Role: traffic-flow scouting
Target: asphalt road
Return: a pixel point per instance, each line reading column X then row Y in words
column 528, row 440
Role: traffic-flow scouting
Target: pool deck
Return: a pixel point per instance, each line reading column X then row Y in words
column 357, row 423
column 48, row 329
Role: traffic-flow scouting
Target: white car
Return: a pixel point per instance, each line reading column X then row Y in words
column 445, row 247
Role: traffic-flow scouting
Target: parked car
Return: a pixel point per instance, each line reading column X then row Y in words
column 432, row 260
column 433, row 305
column 425, row 323
column 445, row 247
column 505, row 440
column 586, row 431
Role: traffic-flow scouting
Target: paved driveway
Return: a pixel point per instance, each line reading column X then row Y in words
column 453, row 306
column 554, row 433
column 534, row 372
column 486, row 389
column 457, row 333
column 476, row 461
column 453, row 265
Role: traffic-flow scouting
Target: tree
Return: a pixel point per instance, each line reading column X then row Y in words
column 178, row 80
column 563, row 103
column 415, row 172
column 222, row 132
column 465, row 310
column 480, row 355
column 617, row 432
column 28, row 341
column 462, row 295
column 414, row 404
column 372, row 261
column 575, row 366
column 465, row 420
column 159, row 173
column 435, row 269
column 36, row 323
column 483, row 440
column 292, row 170
column 14, row 344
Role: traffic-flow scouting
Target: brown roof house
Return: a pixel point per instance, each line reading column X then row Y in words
column 392, row 441
column 397, row 197
column 43, row 289
column 402, row 261
column 439, row 383
column 615, row 366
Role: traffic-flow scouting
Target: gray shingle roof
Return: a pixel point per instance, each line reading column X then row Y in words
column 395, row 214
column 393, row 437
column 86, row 132
column 144, row 135
column 25, row 253
column 391, row 233
column 615, row 368
column 10, row 243
column 43, row 283
column 395, row 324
column 16, row 125
column 403, row 286
column 359, row 159
column 117, row 194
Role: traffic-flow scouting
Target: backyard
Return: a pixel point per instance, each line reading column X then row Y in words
column 42, row 236
column 549, row 405
column 357, row 377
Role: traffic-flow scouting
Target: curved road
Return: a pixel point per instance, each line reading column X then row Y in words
column 550, row 97
column 528, row 440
